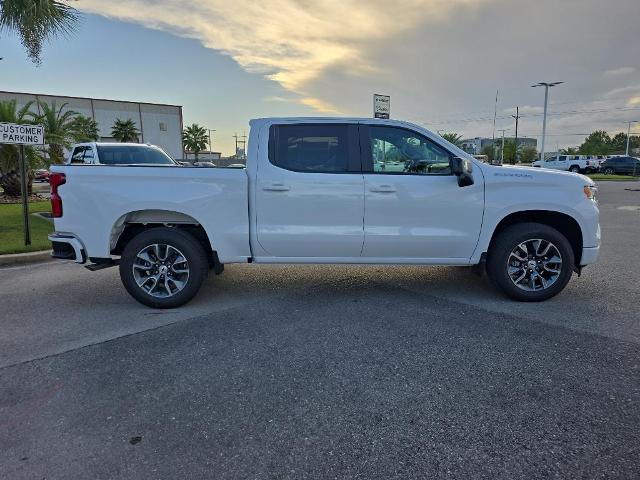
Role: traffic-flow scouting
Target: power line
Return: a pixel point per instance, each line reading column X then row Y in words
column 532, row 115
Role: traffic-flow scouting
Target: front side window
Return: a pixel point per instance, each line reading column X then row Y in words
column 310, row 148
column 397, row 150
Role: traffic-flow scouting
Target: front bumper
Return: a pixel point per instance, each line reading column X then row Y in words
column 589, row 255
column 67, row 247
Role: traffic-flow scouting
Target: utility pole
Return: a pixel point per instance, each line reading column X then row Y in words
column 544, row 118
column 517, row 116
column 629, row 133
column 242, row 142
column 493, row 135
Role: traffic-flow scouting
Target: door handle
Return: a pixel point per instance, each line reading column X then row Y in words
column 383, row 189
column 276, row 187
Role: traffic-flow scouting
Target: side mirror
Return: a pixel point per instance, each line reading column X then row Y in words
column 463, row 169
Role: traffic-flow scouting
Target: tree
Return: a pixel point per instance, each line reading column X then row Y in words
column 509, row 151
column 58, row 129
column 569, row 151
column 528, row 154
column 85, row 129
column 452, row 137
column 195, row 139
column 125, row 130
column 9, row 154
column 36, row 22
column 597, row 143
column 488, row 150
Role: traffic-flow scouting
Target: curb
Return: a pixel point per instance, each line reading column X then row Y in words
column 25, row 258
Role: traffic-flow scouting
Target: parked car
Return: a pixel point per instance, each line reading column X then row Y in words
column 204, row 164
column 621, row 165
column 313, row 193
column 41, row 175
column 105, row 153
column 570, row 163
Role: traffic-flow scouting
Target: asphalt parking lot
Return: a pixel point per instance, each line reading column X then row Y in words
column 326, row 372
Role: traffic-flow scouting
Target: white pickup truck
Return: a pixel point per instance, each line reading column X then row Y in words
column 111, row 153
column 327, row 190
column 572, row 163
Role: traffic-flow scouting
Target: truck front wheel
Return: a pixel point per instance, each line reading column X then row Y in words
column 530, row 262
column 163, row 267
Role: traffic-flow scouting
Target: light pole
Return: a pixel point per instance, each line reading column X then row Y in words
column 502, row 146
column 544, row 118
column 629, row 133
column 210, row 146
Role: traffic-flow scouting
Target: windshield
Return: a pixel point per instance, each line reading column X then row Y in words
column 132, row 155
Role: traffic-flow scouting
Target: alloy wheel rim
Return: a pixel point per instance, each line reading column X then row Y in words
column 161, row 270
column 534, row 265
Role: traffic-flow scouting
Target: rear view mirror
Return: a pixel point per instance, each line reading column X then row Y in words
column 463, row 169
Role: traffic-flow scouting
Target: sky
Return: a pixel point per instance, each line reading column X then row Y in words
column 441, row 61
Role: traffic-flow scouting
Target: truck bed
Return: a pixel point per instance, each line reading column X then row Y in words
column 99, row 199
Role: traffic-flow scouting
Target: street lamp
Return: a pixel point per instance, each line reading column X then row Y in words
column 544, row 119
column 210, row 145
column 629, row 133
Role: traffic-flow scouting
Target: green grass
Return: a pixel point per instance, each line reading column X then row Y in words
column 616, row 178
column 11, row 229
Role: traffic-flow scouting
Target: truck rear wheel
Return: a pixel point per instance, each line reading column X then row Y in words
column 163, row 267
column 530, row 262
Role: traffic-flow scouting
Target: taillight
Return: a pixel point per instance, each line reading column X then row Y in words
column 55, row 180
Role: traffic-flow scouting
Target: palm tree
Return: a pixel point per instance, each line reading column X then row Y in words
column 125, row 130
column 195, row 139
column 58, row 129
column 452, row 137
column 36, row 22
column 85, row 129
column 9, row 154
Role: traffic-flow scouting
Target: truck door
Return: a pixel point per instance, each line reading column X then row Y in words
column 309, row 192
column 561, row 163
column 414, row 207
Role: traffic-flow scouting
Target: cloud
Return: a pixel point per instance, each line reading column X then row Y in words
column 319, row 105
column 620, row 71
column 291, row 42
column 616, row 92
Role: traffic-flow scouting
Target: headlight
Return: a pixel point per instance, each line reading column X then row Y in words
column 591, row 192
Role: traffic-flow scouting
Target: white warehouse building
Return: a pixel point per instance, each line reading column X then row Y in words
column 159, row 124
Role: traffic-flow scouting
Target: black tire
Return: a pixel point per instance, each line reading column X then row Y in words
column 574, row 169
column 608, row 171
column 510, row 238
column 187, row 245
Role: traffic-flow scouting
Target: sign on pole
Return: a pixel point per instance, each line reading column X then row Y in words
column 15, row 134
column 381, row 106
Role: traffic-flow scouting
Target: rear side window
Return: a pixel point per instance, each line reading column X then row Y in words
column 310, row 148
column 132, row 155
column 80, row 154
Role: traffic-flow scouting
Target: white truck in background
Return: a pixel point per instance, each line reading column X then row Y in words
column 326, row 190
column 572, row 163
column 114, row 153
